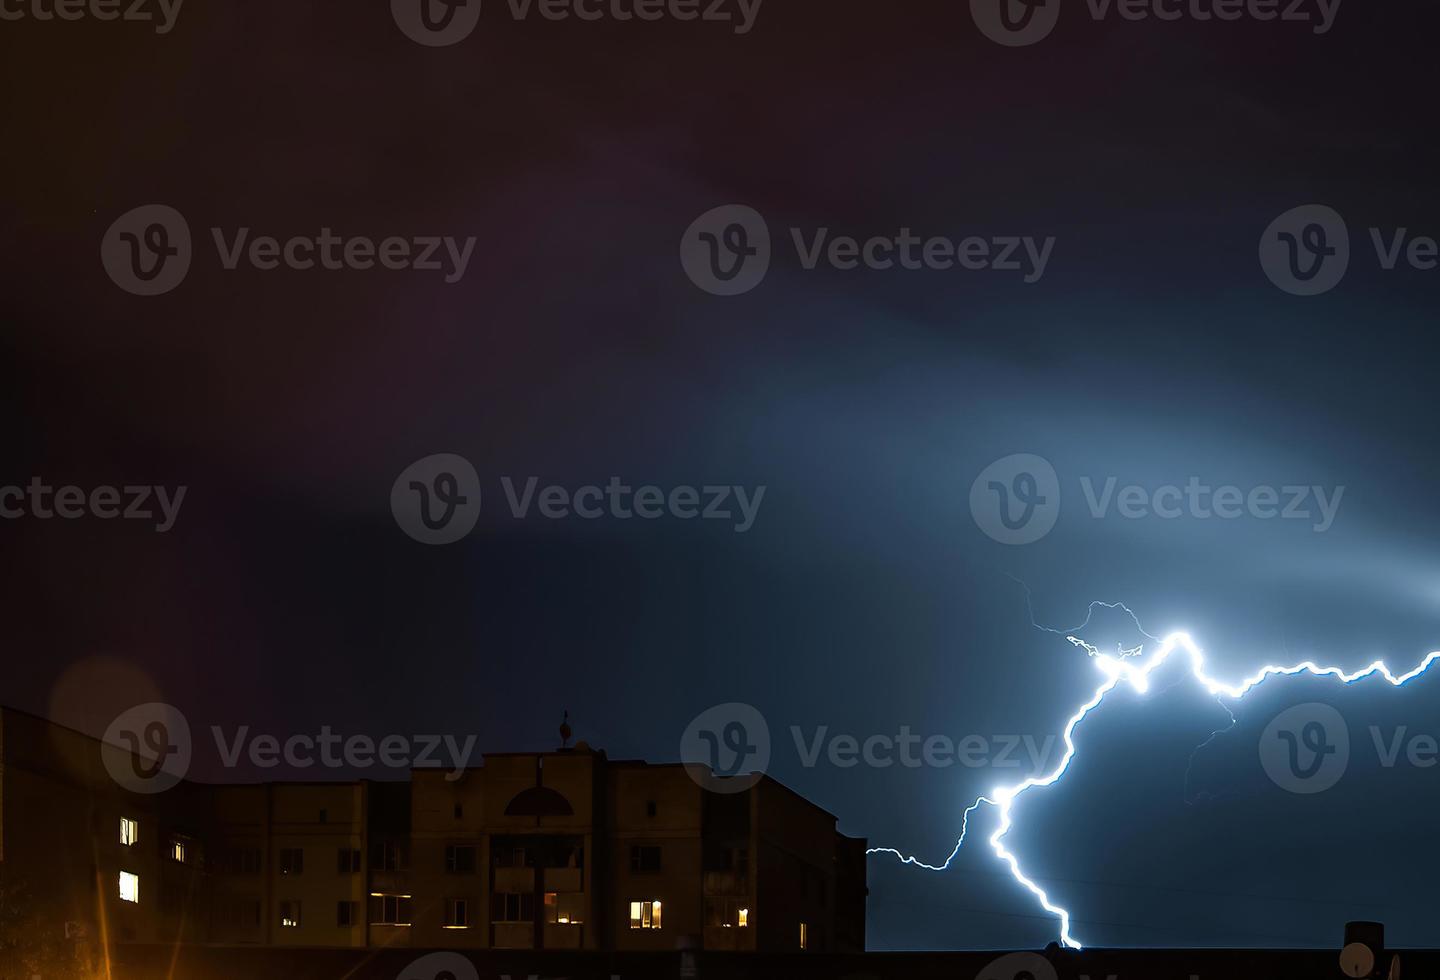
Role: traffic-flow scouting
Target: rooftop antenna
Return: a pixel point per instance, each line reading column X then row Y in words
column 565, row 731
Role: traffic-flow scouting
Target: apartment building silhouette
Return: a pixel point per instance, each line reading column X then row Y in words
column 553, row 850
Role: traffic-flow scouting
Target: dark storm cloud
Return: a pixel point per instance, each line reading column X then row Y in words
column 1152, row 351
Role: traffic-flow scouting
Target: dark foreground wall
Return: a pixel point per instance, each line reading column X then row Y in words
column 153, row 963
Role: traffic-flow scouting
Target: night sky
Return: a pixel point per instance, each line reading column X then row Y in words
column 1154, row 349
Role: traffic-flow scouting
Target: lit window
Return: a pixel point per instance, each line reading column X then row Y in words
column 289, row 915
column 129, row 831
column 565, row 908
column 645, row 915
column 804, row 935
column 177, row 851
column 726, row 913
column 129, row 887
column 389, row 910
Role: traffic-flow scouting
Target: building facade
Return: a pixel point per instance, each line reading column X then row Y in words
column 564, row 850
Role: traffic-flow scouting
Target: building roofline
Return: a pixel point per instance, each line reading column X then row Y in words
column 574, row 751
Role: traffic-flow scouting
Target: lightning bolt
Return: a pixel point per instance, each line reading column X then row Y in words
column 1133, row 667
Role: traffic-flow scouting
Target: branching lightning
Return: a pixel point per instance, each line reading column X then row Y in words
column 1134, row 667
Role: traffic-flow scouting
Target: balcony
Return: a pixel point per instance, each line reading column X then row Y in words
column 516, row 880
column 514, row 935
column 564, row 879
column 564, row 936
column 726, row 883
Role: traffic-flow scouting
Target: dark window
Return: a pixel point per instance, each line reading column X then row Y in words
column 240, row 860
column 460, row 859
column 387, row 856
column 514, row 907
column 649, row 808
column 566, row 856
column 244, row 913
column 459, row 811
column 644, row 859
column 512, row 857
column 457, row 913
column 292, row 861
column 324, row 816
column 347, row 861
column 345, row 913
